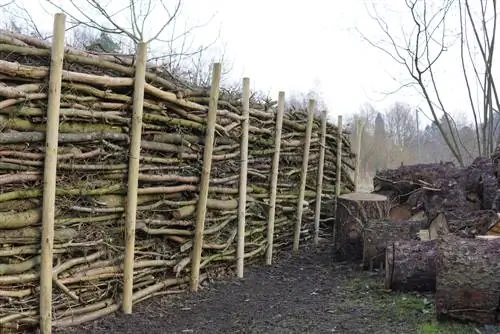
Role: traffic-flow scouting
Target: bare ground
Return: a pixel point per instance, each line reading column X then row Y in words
column 306, row 293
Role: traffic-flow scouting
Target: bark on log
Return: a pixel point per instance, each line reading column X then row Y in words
column 379, row 233
column 468, row 279
column 353, row 212
column 411, row 265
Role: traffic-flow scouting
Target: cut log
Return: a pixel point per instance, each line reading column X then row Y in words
column 379, row 233
column 400, row 212
column 353, row 212
column 468, row 279
column 424, row 235
column 450, row 196
column 438, row 227
column 487, row 237
column 410, row 266
column 494, row 230
column 469, row 224
column 420, row 215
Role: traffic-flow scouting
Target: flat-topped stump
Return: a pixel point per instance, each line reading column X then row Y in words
column 354, row 210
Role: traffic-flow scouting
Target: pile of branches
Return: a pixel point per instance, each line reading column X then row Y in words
column 96, row 107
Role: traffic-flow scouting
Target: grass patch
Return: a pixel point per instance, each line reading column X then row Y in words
column 408, row 310
column 446, row 328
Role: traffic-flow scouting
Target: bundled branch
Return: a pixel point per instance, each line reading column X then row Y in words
column 96, row 106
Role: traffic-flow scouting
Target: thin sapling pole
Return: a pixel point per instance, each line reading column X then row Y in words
column 133, row 177
column 303, row 174
column 274, row 177
column 338, row 169
column 319, row 182
column 201, row 209
column 359, row 134
column 50, row 173
column 240, row 254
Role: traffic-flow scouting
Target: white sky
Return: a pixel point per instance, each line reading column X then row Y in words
column 294, row 45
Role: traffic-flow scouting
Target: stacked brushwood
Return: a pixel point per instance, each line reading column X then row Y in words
column 95, row 120
column 446, row 245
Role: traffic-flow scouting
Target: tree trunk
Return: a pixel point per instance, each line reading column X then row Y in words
column 468, row 279
column 353, row 212
column 410, row 265
column 381, row 232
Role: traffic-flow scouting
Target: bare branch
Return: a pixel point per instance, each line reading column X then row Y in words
column 7, row 3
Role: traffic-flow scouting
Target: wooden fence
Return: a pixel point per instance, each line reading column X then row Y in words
column 158, row 166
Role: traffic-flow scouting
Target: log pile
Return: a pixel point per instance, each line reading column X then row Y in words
column 458, row 258
column 91, row 181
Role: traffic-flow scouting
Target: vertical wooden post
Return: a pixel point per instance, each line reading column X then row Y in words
column 274, row 177
column 205, row 178
column 133, row 176
column 319, row 183
column 240, row 254
column 359, row 133
column 338, row 171
column 303, row 174
column 50, row 173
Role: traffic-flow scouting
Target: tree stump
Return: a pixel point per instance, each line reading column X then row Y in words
column 353, row 212
column 379, row 233
column 468, row 279
column 411, row 265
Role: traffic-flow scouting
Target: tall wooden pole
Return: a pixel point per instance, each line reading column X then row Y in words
column 338, row 171
column 319, row 182
column 240, row 254
column 359, row 134
column 50, row 173
column 133, row 177
column 303, row 175
column 205, row 178
column 274, row 177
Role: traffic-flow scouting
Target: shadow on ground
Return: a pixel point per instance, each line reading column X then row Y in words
column 307, row 293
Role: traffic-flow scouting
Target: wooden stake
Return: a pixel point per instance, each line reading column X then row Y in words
column 359, row 134
column 50, row 173
column 319, row 182
column 274, row 177
column 338, row 171
column 205, row 178
column 303, row 174
column 133, row 176
column 240, row 254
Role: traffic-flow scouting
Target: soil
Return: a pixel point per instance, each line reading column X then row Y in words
column 304, row 293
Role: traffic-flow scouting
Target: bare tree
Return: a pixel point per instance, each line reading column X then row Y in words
column 111, row 27
column 95, row 15
column 419, row 51
column 367, row 114
column 401, row 125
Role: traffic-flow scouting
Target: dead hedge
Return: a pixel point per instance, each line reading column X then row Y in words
column 91, row 190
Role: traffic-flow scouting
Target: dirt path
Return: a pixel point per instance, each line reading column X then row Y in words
column 307, row 293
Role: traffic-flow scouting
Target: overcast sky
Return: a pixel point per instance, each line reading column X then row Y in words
column 295, row 45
